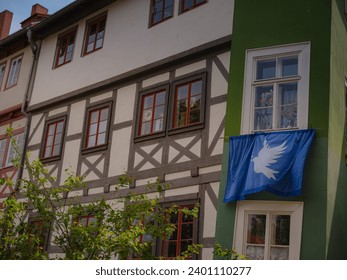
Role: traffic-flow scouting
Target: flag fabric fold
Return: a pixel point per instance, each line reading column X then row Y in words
column 267, row 161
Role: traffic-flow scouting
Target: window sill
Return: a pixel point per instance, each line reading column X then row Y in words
column 173, row 131
column 94, row 149
column 50, row 159
column 149, row 136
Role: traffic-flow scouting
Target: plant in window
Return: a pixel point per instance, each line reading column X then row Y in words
column 188, row 108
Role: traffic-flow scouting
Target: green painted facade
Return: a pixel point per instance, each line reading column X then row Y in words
column 269, row 23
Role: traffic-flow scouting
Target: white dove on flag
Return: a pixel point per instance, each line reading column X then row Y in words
column 266, row 157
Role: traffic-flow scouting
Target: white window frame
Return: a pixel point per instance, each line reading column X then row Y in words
column 13, row 73
column 302, row 50
column 294, row 209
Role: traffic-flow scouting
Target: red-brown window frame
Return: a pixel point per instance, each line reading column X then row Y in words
column 153, row 107
column 44, row 140
column 59, row 46
column 179, row 240
column 187, row 113
column 99, row 107
column 7, row 86
column 163, row 18
column 97, row 20
column 183, row 10
column 87, row 217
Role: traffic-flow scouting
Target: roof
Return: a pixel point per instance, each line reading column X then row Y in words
column 61, row 19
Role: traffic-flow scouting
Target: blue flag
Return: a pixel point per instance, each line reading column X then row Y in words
column 267, row 161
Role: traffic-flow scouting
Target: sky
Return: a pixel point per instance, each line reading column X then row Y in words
column 21, row 9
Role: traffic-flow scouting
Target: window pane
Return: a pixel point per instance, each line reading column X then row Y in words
column 102, row 126
column 280, row 229
column 194, row 116
column 146, row 128
column 158, row 125
column 264, row 96
column 148, row 102
column 60, row 127
column 160, row 98
column 94, row 117
column 104, row 114
column 188, row 4
column 182, row 92
column 58, row 138
column 184, row 245
column 98, row 44
column 56, row 150
column 48, row 152
column 255, row 252
column 92, row 129
column 288, row 105
column 49, row 141
column 172, row 249
column 159, row 112
column 91, row 39
column 196, row 88
column 68, row 57
column 187, row 231
column 256, row 229
column 101, row 138
column 91, row 141
column 147, row 115
column 180, row 120
column 279, row 253
column 51, row 129
column 289, row 66
column 266, row 69
column 263, row 107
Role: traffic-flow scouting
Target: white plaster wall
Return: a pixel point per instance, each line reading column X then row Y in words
column 57, row 111
column 217, row 115
column 119, row 151
column 76, row 118
column 72, row 150
column 14, row 95
column 125, row 96
column 130, row 44
column 36, row 123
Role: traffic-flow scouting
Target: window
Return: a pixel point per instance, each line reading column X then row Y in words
column 86, row 220
column 7, row 151
column 152, row 115
column 187, row 5
column 188, row 103
column 95, row 34
column 97, row 126
column 40, row 228
column 13, row 75
column 276, row 89
column 268, row 230
column 183, row 105
column 65, row 47
column 184, row 235
column 53, row 139
column 161, row 10
column 2, row 73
